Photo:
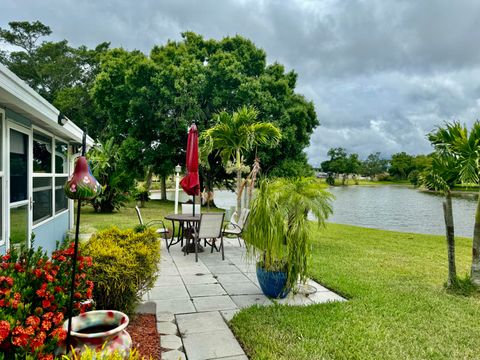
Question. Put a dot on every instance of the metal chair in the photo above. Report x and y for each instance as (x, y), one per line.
(235, 229)
(162, 231)
(209, 229)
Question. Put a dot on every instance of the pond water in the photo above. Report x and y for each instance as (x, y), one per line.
(401, 209)
(386, 207)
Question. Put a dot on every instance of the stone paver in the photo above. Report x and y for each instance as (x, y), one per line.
(209, 303)
(241, 288)
(168, 292)
(166, 328)
(243, 301)
(176, 306)
(205, 290)
(176, 355)
(200, 322)
(200, 297)
(216, 344)
(172, 342)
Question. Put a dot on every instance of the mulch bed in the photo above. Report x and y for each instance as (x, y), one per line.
(145, 338)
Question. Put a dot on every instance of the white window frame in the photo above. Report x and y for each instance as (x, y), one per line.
(3, 157)
(53, 175)
(11, 125)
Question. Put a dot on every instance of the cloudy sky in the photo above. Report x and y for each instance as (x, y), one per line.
(381, 73)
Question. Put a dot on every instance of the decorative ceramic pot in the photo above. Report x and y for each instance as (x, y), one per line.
(102, 331)
(272, 283)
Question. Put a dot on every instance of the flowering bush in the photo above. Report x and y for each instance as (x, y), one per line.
(34, 294)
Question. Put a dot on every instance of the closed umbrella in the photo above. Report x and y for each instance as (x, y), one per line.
(191, 182)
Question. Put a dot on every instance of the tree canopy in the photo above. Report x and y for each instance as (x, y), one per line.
(154, 98)
(62, 74)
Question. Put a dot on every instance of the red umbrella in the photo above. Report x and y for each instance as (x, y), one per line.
(191, 182)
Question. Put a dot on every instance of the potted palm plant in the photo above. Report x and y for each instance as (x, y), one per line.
(278, 233)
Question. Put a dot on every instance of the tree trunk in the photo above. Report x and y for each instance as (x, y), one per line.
(148, 179)
(163, 188)
(450, 236)
(475, 272)
(239, 182)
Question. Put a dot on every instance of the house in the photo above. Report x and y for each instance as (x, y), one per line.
(37, 154)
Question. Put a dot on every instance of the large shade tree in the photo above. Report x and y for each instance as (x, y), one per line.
(456, 141)
(193, 79)
(235, 135)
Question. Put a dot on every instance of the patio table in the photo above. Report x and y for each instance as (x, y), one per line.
(186, 223)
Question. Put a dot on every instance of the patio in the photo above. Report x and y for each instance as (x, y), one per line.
(195, 300)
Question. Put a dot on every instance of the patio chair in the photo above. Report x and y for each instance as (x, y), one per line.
(162, 231)
(210, 230)
(235, 228)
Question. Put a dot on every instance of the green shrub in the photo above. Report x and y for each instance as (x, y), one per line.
(125, 264)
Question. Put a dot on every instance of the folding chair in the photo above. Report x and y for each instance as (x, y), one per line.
(209, 229)
(162, 231)
(235, 229)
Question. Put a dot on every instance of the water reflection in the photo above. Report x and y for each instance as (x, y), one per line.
(400, 208)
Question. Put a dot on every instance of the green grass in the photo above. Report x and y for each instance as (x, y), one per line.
(397, 308)
(126, 217)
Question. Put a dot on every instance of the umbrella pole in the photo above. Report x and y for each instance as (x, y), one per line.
(193, 205)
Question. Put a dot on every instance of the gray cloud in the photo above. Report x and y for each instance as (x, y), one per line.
(381, 73)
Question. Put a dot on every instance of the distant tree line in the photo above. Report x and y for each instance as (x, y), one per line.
(401, 166)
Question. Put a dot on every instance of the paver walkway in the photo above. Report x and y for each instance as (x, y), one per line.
(202, 296)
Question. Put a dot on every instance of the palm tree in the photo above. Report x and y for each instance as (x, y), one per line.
(235, 134)
(442, 177)
(454, 140)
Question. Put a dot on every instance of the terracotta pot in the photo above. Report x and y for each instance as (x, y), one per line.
(102, 331)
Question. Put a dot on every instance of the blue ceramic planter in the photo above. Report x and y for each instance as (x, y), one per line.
(272, 283)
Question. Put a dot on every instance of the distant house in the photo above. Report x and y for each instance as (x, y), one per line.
(36, 157)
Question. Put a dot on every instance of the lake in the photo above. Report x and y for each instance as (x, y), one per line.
(388, 207)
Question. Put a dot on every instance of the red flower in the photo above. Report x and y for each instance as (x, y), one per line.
(6, 257)
(38, 340)
(46, 357)
(4, 329)
(46, 325)
(33, 320)
(49, 277)
(17, 296)
(4, 265)
(19, 337)
(60, 333)
(57, 319)
(48, 316)
(77, 295)
(9, 280)
(46, 304)
(42, 291)
(37, 273)
(18, 267)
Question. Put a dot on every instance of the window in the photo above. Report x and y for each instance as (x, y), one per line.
(61, 201)
(42, 154)
(18, 166)
(42, 178)
(61, 157)
(50, 173)
(42, 199)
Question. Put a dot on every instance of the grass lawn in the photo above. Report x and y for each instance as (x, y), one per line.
(126, 217)
(397, 308)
